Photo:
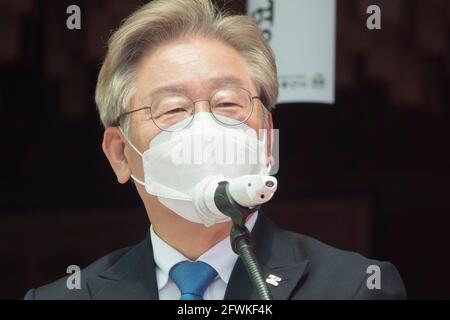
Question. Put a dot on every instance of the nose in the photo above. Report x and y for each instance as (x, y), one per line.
(202, 106)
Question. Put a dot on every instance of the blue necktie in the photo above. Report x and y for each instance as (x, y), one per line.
(192, 278)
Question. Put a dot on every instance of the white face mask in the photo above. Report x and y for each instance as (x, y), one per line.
(176, 162)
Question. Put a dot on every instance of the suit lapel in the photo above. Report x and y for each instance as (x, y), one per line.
(278, 256)
(132, 277)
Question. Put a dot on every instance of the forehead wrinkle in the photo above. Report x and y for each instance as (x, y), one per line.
(182, 88)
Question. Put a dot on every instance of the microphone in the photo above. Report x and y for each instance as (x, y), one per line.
(215, 197)
(246, 192)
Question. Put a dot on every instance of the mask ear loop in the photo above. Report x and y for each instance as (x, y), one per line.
(267, 162)
(265, 138)
(137, 151)
(271, 159)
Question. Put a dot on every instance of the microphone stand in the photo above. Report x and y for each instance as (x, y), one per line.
(241, 239)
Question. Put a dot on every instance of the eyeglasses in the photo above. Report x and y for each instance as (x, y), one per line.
(229, 106)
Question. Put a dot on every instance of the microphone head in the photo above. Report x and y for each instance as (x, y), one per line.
(248, 191)
(252, 190)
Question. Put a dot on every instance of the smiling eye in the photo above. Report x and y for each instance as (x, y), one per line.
(228, 105)
(171, 112)
(171, 105)
(174, 111)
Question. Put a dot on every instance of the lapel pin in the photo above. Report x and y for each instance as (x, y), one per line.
(273, 280)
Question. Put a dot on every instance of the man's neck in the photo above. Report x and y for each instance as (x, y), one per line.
(192, 239)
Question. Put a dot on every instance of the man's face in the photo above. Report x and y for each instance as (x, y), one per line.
(196, 67)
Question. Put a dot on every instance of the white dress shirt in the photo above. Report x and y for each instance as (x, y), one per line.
(221, 257)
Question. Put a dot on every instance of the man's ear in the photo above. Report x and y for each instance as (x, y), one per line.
(114, 148)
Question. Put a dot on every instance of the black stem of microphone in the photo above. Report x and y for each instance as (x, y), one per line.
(242, 243)
(241, 239)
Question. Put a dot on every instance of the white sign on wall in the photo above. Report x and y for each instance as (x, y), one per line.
(302, 35)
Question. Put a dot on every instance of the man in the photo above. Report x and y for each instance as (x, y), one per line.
(177, 70)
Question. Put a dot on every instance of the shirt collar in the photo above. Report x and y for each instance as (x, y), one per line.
(221, 256)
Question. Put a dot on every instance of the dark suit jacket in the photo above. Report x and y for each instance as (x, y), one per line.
(309, 270)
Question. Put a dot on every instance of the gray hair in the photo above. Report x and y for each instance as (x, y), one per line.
(163, 20)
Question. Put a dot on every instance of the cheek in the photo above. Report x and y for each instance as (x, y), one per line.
(144, 137)
(256, 119)
(134, 160)
(141, 133)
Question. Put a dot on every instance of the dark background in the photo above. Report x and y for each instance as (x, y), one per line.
(369, 173)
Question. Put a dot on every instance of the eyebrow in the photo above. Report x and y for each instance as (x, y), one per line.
(214, 83)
